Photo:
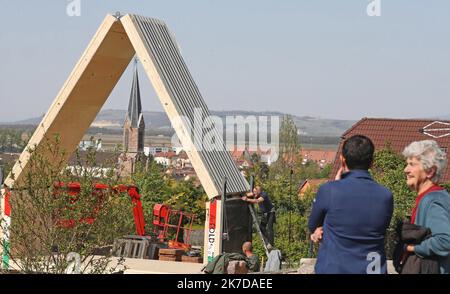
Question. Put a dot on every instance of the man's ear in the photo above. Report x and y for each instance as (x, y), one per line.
(344, 164)
(342, 160)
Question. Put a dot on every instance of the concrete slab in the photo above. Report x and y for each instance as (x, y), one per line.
(148, 266)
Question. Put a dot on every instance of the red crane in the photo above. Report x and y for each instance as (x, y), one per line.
(168, 225)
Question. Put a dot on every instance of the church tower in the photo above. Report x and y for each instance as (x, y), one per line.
(134, 126)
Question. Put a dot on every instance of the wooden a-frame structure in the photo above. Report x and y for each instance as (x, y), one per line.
(114, 45)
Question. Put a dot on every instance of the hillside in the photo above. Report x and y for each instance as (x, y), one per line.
(158, 121)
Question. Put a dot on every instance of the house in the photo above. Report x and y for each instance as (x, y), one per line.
(265, 156)
(152, 150)
(104, 162)
(184, 174)
(165, 158)
(321, 157)
(182, 160)
(244, 163)
(397, 134)
(8, 158)
(89, 144)
(237, 154)
(310, 185)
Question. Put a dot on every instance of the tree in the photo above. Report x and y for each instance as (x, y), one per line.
(158, 187)
(259, 170)
(52, 224)
(153, 185)
(297, 228)
(325, 172)
(186, 196)
(285, 174)
(388, 171)
(289, 140)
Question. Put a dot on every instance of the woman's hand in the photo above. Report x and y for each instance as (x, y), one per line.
(410, 248)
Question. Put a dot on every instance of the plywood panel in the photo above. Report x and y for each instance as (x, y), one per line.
(181, 97)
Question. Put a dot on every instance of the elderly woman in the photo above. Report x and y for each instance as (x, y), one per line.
(425, 165)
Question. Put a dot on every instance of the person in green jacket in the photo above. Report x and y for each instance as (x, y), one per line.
(425, 164)
(252, 259)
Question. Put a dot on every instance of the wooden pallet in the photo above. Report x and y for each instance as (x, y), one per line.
(192, 259)
(168, 258)
(171, 254)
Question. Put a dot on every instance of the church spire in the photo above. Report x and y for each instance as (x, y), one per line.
(134, 105)
(134, 126)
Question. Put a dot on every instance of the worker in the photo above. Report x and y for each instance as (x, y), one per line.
(267, 209)
(251, 258)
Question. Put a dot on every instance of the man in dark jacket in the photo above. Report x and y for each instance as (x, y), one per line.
(267, 209)
(352, 215)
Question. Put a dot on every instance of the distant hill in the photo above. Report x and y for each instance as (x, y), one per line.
(29, 121)
(445, 117)
(157, 120)
(112, 119)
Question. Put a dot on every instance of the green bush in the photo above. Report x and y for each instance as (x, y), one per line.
(157, 187)
(49, 223)
(388, 171)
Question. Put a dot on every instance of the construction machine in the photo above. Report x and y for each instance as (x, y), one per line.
(169, 226)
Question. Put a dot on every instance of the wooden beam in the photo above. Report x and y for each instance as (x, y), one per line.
(83, 94)
(181, 129)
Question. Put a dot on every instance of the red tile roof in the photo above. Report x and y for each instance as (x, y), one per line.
(183, 155)
(398, 133)
(313, 183)
(318, 155)
(169, 154)
(237, 153)
(101, 158)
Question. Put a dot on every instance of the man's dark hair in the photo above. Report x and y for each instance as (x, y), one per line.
(358, 152)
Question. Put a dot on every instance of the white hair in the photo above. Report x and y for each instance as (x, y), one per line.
(429, 154)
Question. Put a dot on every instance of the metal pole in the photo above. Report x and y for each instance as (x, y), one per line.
(225, 235)
(311, 248)
(290, 204)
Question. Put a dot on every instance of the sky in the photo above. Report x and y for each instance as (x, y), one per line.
(318, 58)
